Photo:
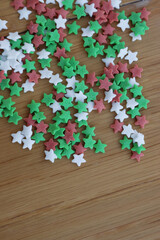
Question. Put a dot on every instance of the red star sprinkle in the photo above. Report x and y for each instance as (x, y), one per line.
(108, 30)
(37, 40)
(40, 8)
(58, 95)
(98, 105)
(117, 97)
(105, 84)
(108, 72)
(60, 53)
(141, 121)
(2, 76)
(91, 78)
(29, 120)
(41, 127)
(17, 4)
(28, 57)
(96, 3)
(79, 148)
(71, 127)
(113, 17)
(144, 14)
(50, 145)
(62, 34)
(107, 6)
(50, 12)
(103, 19)
(15, 77)
(137, 156)
(114, 68)
(68, 136)
(100, 14)
(101, 38)
(136, 71)
(122, 67)
(32, 27)
(62, 12)
(117, 126)
(33, 76)
(32, 3)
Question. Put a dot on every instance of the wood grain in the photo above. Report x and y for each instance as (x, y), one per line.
(111, 197)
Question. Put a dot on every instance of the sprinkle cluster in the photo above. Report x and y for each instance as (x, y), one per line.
(73, 96)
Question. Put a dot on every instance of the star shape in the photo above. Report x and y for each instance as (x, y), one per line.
(107, 61)
(123, 24)
(27, 131)
(50, 155)
(17, 137)
(131, 57)
(116, 107)
(28, 47)
(136, 71)
(28, 86)
(45, 73)
(43, 54)
(91, 78)
(70, 94)
(134, 38)
(141, 121)
(81, 2)
(71, 82)
(3, 24)
(50, 1)
(79, 148)
(131, 103)
(116, 3)
(90, 9)
(105, 84)
(33, 76)
(87, 32)
(14, 36)
(80, 96)
(55, 79)
(137, 156)
(60, 2)
(123, 52)
(55, 106)
(78, 159)
(138, 138)
(144, 14)
(121, 115)
(41, 127)
(109, 95)
(99, 105)
(127, 130)
(60, 22)
(24, 13)
(117, 126)
(133, 82)
(28, 143)
(81, 116)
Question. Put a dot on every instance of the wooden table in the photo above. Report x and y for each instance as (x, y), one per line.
(111, 197)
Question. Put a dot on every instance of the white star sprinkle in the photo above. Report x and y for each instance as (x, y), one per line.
(81, 2)
(123, 52)
(123, 24)
(133, 82)
(45, 73)
(17, 137)
(107, 61)
(109, 95)
(116, 3)
(134, 38)
(27, 131)
(24, 13)
(121, 115)
(55, 106)
(3, 24)
(87, 32)
(116, 107)
(138, 138)
(80, 96)
(131, 57)
(127, 130)
(14, 36)
(81, 116)
(28, 143)
(131, 103)
(90, 9)
(60, 22)
(43, 54)
(50, 155)
(28, 86)
(55, 79)
(71, 82)
(78, 159)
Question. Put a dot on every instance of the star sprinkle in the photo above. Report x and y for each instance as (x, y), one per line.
(78, 159)
(24, 13)
(123, 24)
(27, 131)
(141, 121)
(134, 38)
(121, 115)
(17, 137)
(90, 9)
(3, 24)
(127, 130)
(28, 86)
(60, 22)
(116, 3)
(131, 57)
(117, 126)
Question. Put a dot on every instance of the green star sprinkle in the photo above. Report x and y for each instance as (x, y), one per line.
(91, 95)
(89, 131)
(92, 51)
(7, 103)
(39, 116)
(54, 36)
(65, 115)
(16, 44)
(68, 152)
(73, 28)
(110, 52)
(80, 86)
(125, 142)
(41, 20)
(65, 44)
(135, 17)
(53, 128)
(61, 88)
(136, 91)
(122, 15)
(142, 102)
(114, 39)
(5, 84)
(15, 90)
(81, 106)
(79, 12)
(48, 99)
(45, 62)
(134, 112)
(68, 4)
(88, 41)
(82, 71)
(33, 106)
(74, 63)
(10, 112)
(38, 137)
(68, 72)
(66, 103)
(89, 142)
(29, 65)
(27, 37)
(15, 118)
(95, 26)
(100, 147)
(138, 149)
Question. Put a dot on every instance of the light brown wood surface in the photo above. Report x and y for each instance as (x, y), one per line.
(111, 197)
